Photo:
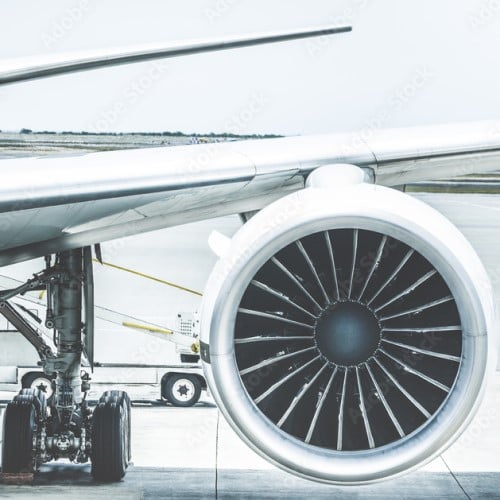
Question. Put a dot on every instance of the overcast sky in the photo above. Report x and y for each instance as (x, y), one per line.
(405, 63)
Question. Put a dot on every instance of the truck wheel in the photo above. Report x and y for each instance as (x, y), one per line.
(182, 390)
(40, 381)
(18, 431)
(109, 440)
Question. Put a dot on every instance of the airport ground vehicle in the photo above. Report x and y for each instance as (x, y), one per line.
(179, 381)
(179, 385)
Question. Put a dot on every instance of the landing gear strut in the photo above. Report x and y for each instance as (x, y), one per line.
(37, 430)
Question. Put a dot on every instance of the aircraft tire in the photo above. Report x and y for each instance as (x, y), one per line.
(123, 398)
(18, 431)
(109, 440)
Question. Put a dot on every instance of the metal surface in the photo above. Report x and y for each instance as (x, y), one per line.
(92, 201)
(33, 336)
(88, 300)
(343, 453)
(67, 299)
(57, 64)
(183, 389)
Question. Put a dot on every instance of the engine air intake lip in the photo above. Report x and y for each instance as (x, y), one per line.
(383, 250)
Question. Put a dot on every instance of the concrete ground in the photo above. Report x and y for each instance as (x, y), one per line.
(192, 453)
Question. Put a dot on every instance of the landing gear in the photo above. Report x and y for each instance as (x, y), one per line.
(111, 436)
(49, 419)
(182, 390)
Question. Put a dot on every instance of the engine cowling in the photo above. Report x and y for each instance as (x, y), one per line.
(347, 333)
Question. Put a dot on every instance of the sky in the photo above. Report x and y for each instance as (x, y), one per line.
(404, 64)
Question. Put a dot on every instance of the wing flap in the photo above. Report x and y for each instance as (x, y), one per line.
(416, 154)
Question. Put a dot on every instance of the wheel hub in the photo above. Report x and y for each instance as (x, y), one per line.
(347, 333)
(183, 389)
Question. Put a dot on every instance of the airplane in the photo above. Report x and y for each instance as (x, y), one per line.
(347, 330)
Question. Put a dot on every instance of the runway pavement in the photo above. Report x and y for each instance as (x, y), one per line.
(192, 453)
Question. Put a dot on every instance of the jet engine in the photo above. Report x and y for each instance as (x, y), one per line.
(347, 332)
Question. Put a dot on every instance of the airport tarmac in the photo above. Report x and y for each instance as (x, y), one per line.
(193, 453)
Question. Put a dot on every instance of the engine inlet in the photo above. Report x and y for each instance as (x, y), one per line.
(348, 339)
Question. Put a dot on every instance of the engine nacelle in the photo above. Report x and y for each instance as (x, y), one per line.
(347, 333)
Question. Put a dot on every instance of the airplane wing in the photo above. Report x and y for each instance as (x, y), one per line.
(18, 70)
(52, 204)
